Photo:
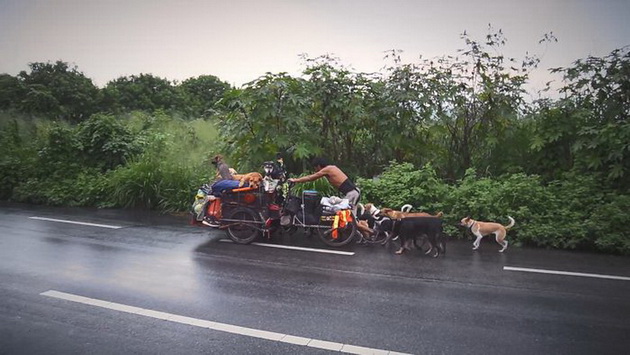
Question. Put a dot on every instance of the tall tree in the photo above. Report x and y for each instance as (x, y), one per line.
(405, 116)
(143, 92)
(201, 94)
(337, 108)
(58, 90)
(475, 99)
(265, 117)
(11, 92)
(598, 93)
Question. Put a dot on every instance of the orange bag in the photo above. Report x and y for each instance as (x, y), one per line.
(341, 219)
(214, 209)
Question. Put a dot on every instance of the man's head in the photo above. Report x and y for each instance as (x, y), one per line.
(319, 163)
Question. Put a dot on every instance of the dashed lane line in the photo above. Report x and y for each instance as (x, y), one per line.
(76, 222)
(222, 327)
(290, 247)
(566, 273)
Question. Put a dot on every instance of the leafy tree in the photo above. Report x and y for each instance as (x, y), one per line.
(200, 95)
(598, 92)
(554, 128)
(406, 113)
(475, 99)
(57, 91)
(11, 91)
(323, 114)
(143, 92)
(337, 109)
(265, 117)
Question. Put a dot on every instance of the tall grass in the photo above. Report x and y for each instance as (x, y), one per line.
(40, 163)
(154, 184)
(172, 165)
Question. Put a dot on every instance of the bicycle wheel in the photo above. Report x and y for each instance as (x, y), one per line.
(343, 237)
(243, 225)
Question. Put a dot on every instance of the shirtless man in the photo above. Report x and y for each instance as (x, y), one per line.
(336, 178)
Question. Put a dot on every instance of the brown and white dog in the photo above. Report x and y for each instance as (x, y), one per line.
(253, 179)
(481, 229)
(371, 209)
(393, 214)
(364, 213)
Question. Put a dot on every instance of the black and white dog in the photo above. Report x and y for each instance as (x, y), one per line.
(411, 228)
(275, 170)
(275, 176)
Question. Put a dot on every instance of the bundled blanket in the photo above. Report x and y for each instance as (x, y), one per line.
(335, 203)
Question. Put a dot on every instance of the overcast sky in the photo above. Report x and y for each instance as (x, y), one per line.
(240, 40)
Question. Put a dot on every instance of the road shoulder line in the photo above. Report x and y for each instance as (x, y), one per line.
(223, 327)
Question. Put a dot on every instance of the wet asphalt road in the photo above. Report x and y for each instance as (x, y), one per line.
(463, 303)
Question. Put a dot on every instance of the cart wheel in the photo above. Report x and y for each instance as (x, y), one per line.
(379, 237)
(344, 235)
(247, 231)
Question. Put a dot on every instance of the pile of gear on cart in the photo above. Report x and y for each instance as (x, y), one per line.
(267, 208)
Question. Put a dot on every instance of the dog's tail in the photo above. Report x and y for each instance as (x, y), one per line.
(406, 208)
(511, 223)
(439, 214)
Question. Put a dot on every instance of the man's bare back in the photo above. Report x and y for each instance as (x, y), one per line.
(333, 174)
(336, 178)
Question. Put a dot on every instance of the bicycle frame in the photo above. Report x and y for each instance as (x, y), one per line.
(324, 225)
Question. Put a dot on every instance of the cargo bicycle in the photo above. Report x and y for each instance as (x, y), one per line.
(249, 213)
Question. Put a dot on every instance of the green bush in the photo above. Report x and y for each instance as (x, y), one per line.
(59, 155)
(17, 157)
(608, 225)
(88, 188)
(402, 184)
(571, 213)
(561, 221)
(106, 142)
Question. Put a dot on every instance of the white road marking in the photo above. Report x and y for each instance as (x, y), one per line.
(223, 327)
(290, 247)
(567, 273)
(75, 222)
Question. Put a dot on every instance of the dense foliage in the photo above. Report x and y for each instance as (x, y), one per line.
(453, 134)
(139, 160)
(574, 212)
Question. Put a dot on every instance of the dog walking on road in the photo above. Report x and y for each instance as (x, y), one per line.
(481, 229)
